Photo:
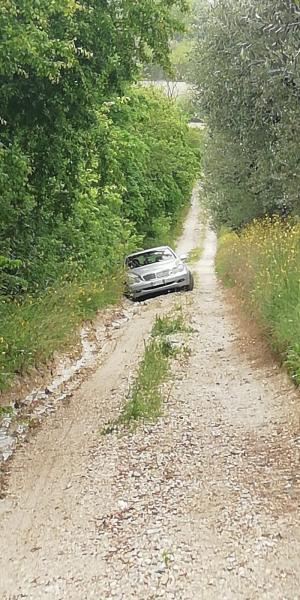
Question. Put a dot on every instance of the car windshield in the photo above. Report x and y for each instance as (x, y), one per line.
(149, 258)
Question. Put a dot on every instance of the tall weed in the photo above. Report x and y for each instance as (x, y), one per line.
(264, 263)
(32, 330)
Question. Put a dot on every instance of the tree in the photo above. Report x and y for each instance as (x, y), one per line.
(246, 67)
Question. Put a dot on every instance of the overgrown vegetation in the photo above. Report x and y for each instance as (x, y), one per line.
(31, 330)
(146, 396)
(264, 263)
(247, 70)
(90, 165)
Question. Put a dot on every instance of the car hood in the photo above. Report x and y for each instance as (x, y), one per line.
(156, 268)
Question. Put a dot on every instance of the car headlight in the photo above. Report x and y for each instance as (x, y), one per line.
(131, 278)
(178, 269)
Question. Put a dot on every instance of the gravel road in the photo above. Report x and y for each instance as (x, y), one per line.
(202, 504)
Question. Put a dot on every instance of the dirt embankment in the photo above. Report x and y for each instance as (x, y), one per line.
(204, 503)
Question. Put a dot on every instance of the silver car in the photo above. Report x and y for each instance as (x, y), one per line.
(156, 270)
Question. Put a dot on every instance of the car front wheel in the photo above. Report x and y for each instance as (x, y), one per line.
(190, 286)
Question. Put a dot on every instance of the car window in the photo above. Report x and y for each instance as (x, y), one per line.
(149, 258)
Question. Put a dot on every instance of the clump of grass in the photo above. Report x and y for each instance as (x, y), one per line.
(6, 410)
(169, 324)
(263, 262)
(194, 255)
(167, 558)
(146, 397)
(32, 330)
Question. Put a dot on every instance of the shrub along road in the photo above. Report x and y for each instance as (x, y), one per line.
(203, 503)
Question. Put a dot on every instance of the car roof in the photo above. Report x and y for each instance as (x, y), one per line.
(149, 250)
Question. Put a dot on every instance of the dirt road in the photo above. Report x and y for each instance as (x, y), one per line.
(203, 504)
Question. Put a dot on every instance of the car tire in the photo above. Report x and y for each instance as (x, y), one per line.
(190, 286)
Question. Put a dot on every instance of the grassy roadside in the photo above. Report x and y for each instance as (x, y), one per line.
(263, 263)
(33, 330)
(146, 395)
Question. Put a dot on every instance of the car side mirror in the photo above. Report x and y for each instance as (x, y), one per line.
(183, 257)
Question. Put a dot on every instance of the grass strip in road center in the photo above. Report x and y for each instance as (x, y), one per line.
(173, 323)
(194, 255)
(146, 395)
